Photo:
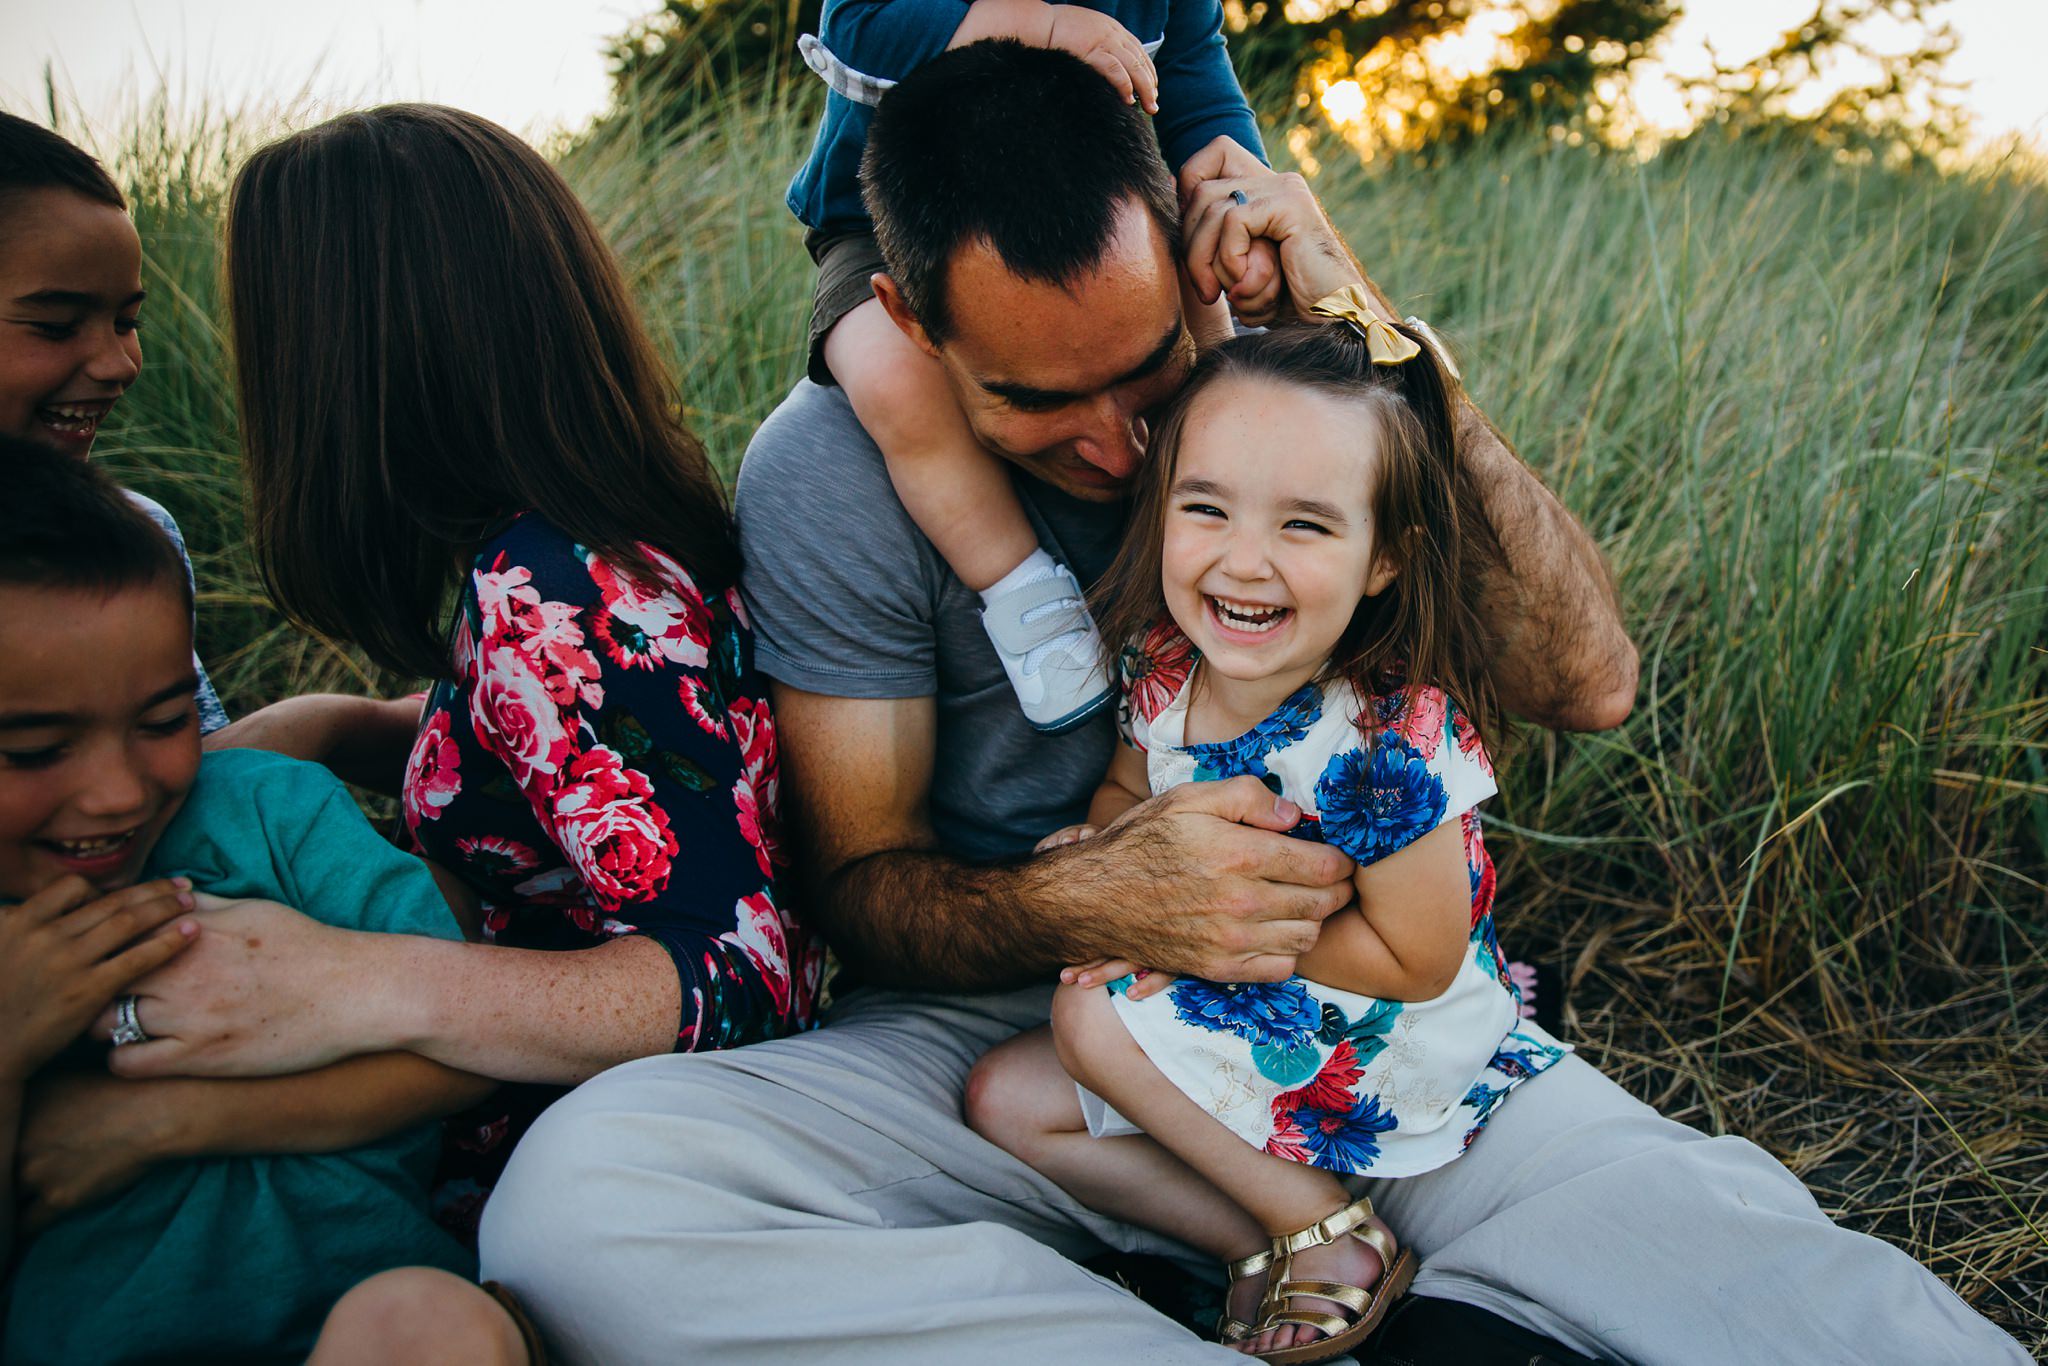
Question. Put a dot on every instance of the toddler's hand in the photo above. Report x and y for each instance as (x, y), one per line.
(1110, 48)
(1072, 834)
(67, 951)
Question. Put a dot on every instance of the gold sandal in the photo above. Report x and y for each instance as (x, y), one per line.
(1368, 1307)
(1228, 1329)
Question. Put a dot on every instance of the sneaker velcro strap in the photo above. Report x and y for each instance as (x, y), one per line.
(1004, 618)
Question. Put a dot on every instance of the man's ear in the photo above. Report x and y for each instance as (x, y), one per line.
(898, 309)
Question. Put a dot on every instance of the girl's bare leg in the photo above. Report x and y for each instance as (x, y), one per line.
(420, 1315)
(1023, 1101)
(1283, 1196)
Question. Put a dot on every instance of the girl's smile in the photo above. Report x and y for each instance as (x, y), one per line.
(1267, 547)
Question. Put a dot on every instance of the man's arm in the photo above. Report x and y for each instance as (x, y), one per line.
(1562, 658)
(1186, 881)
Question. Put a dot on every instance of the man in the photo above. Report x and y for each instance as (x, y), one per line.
(818, 1198)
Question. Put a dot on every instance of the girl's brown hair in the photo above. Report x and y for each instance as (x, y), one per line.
(1427, 517)
(432, 337)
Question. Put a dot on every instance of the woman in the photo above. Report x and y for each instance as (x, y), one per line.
(448, 400)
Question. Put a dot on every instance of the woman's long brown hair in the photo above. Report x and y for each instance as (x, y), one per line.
(1427, 516)
(431, 337)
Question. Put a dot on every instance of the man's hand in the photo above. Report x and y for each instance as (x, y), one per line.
(1225, 244)
(1199, 881)
(1091, 35)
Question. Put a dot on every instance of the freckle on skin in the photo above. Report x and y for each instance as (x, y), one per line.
(254, 942)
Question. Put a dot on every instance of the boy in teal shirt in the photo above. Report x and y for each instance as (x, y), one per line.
(103, 794)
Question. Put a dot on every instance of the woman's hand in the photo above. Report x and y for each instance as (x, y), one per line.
(67, 952)
(265, 991)
(85, 1139)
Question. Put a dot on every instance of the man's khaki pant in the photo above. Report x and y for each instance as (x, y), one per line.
(818, 1199)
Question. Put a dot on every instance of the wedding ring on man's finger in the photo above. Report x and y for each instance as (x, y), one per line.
(1237, 198)
(127, 1029)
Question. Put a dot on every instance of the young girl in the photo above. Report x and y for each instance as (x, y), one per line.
(1167, 56)
(1298, 590)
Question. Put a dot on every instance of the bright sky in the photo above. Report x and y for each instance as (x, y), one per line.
(536, 65)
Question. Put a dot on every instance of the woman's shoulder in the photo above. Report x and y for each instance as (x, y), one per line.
(532, 550)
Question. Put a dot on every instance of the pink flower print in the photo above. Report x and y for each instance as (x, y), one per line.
(1333, 1087)
(612, 831)
(760, 935)
(516, 719)
(433, 773)
(555, 643)
(496, 918)
(1287, 1139)
(757, 793)
(1468, 740)
(696, 697)
(1478, 867)
(1155, 669)
(463, 647)
(504, 597)
(1422, 721)
(646, 625)
(554, 887)
(739, 609)
(494, 857)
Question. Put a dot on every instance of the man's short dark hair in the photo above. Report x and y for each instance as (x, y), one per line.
(34, 158)
(1027, 148)
(63, 524)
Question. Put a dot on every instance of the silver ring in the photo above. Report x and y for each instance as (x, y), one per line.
(127, 1029)
(1237, 198)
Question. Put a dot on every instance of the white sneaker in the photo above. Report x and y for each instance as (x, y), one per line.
(1051, 651)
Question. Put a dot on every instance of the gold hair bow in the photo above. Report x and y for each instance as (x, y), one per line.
(1350, 305)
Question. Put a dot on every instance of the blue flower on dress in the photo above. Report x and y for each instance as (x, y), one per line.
(1247, 753)
(1374, 802)
(1275, 1014)
(1344, 1140)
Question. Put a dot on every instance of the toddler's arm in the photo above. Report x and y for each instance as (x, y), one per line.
(1406, 937)
(958, 493)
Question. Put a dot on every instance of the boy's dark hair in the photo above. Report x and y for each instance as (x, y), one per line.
(34, 158)
(1026, 148)
(64, 524)
(1429, 520)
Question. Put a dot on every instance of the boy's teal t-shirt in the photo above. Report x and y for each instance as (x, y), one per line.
(241, 1258)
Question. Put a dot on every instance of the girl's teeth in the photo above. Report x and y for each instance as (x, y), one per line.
(1248, 617)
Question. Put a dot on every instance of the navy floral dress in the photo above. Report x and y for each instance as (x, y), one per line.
(603, 763)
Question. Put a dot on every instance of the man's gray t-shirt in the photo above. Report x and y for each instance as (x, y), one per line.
(849, 599)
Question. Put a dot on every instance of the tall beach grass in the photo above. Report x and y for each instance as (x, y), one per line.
(1803, 894)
